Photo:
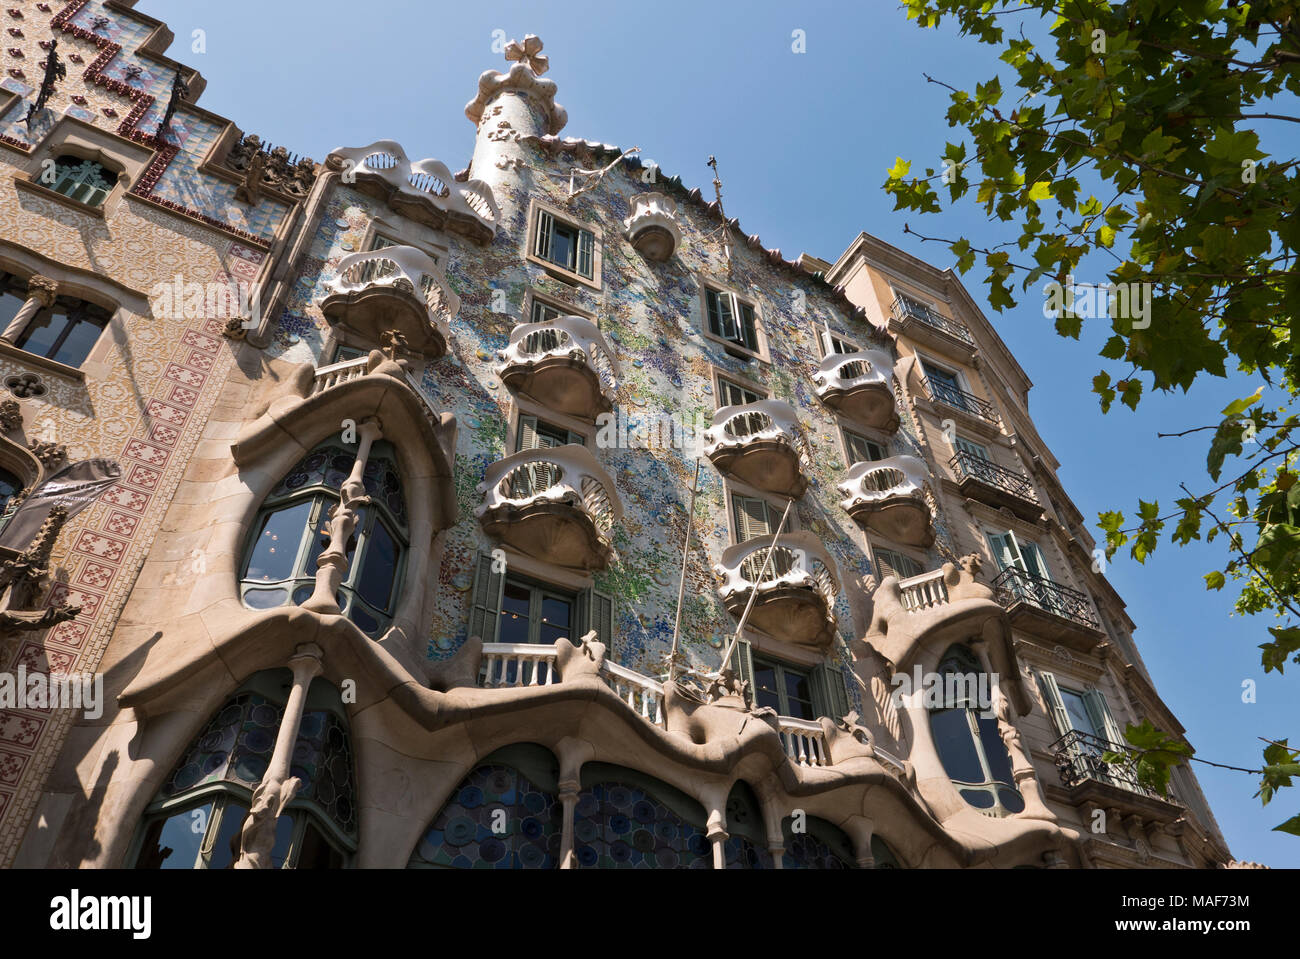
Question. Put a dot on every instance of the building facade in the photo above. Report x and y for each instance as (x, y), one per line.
(526, 516)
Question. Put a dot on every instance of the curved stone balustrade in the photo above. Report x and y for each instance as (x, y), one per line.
(796, 594)
(397, 288)
(423, 190)
(556, 505)
(804, 741)
(564, 364)
(761, 444)
(859, 385)
(652, 226)
(888, 496)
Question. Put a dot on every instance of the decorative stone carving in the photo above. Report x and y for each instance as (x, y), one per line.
(235, 328)
(41, 292)
(584, 659)
(267, 168)
(22, 580)
(529, 53)
(11, 415)
(49, 453)
(461, 670)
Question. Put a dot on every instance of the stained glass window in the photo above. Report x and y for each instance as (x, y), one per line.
(819, 845)
(202, 804)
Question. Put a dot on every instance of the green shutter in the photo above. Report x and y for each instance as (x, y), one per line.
(586, 247)
(748, 329)
(830, 696)
(890, 563)
(485, 604)
(1102, 720)
(742, 663)
(974, 449)
(596, 611)
(1055, 705)
(1033, 560)
(545, 224)
(527, 438)
(752, 517)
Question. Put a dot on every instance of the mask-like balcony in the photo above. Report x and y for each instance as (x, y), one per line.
(1049, 610)
(1089, 779)
(652, 226)
(888, 497)
(986, 481)
(555, 505)
(564, 364)
(760, 444)
(921, 323)
(796, 593)
(860, 386)
(423, 190)
(395, 288)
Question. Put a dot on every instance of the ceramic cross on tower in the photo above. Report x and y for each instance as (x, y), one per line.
(529, 53)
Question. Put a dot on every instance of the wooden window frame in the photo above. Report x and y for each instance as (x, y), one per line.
(535, 210)
(760, 352)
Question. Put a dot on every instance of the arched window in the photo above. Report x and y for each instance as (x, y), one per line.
(292, 531)
(10, 485)
(627, 820)
(195, 820)
(746, 845)
(967, 737)
(820, 845)
(85, 181)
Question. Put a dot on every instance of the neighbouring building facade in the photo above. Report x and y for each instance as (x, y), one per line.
(440, 501)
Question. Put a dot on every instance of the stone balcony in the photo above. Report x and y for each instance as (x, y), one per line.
(983, 480)
(1048, 610)
(794, 592)
(397, 288)
(860, 386)
(888, 497)
(974, 410)
(563, 364)
(652, 227)
(761, 444)
(424, 190)
(555, 505)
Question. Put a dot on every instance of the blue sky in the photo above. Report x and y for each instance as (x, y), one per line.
(803, 143)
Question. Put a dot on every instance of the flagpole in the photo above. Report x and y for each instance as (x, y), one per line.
(681, 585)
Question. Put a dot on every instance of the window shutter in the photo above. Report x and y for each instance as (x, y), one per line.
(527, 438)
(742, 663)
(751, 518)
(889, 563)
(599, 615)
(1005, 551)
(1055, 706)
(1033, 560)
(830, 696)
(726, 317)
(748, 330)
(586, 247)
(545, 224)
(1102, 719)
(974, 449)
(485, 605)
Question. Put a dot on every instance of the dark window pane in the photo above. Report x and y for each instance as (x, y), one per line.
(11, 301)
(283, 833)
(564, 246)
(316, 852)
(995, 750)
(952, 737)
(225, 847)
(514, 613)
(276, 548)
(378, 568)
(557, 616)
(765, 689)
(172, 843)
(43, 332)
(81, 338)
(798, 694)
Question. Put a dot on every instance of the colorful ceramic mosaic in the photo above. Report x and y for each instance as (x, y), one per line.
(624, 827)
(462, 836)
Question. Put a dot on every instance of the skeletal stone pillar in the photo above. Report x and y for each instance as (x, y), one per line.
(569, 802)
(41, 291)
(332, 565)
(717, 834)
(277, 788)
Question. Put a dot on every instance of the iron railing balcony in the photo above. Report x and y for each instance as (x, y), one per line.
(985, 480)
(1019, 591)
(905, 308)
(959, 399)
(1078, 757)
